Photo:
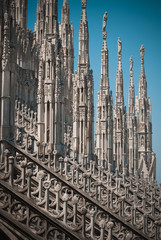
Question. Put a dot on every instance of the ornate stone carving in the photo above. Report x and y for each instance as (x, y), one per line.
(51, 185)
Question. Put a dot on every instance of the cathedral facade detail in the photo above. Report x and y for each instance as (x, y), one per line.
(42, 79)
(58, 178)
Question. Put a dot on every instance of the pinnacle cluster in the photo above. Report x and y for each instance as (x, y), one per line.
(58, 181)
(62, 100)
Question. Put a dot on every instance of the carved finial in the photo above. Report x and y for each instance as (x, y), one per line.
(131, 64)
(119, 47)
(84, 4)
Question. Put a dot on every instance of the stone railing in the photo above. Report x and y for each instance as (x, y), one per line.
(25, 122)
(136, 200)
(106, 199)
(22, 214)
(78, 205)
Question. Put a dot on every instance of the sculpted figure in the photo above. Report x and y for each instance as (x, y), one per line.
(41, 64)
(48, 69)
(72, 28)
(105, 17)
(6, 18)
(84, 3)
(142, 51)
(119, 46)
(131, 63)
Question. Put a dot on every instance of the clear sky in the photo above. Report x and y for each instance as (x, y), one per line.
(136, 22)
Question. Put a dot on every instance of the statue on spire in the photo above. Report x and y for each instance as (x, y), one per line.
(131, 64)
(142, 52)
(6, 19)
(105, 17)
(119, 47)
(131, 70)
(84, 4)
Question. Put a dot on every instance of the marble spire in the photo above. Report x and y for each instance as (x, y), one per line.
(119, 79)
(131, 72)
(66, 12)
(131, 110)
(119, 54)
(142, 79)
(83, 37)
(104, 58)
(142, 53)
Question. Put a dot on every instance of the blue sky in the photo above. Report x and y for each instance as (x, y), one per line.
(136, 22)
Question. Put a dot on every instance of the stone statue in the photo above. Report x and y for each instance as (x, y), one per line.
(131, 63)
(6, 19)
(41, 64)
(119, 46)
(142, 51)
(105, 17)
(84, 4)
(72, 28)
(48, 69)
